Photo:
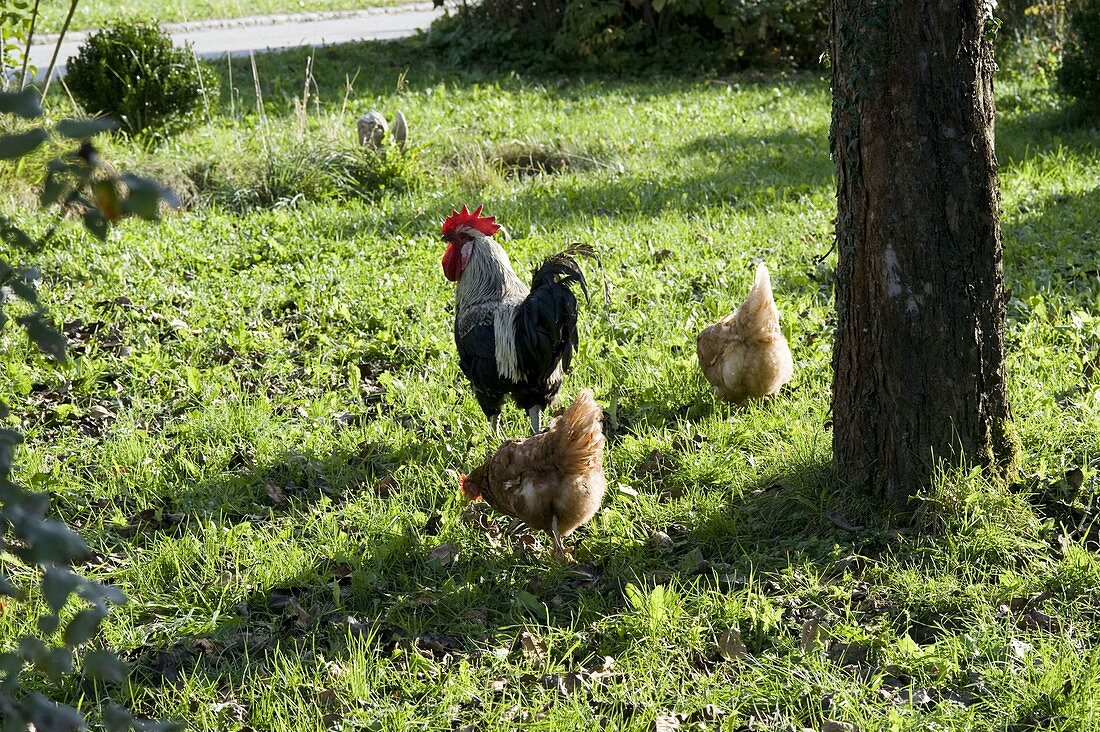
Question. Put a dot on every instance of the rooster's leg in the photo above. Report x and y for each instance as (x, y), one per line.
(495, 422)
(535, 413)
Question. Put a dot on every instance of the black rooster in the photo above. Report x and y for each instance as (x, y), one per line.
(511, 339)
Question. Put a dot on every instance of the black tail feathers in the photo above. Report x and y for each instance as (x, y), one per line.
(561, 269)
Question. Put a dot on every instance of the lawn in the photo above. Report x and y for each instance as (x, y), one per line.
(91, 14)
(263, 421)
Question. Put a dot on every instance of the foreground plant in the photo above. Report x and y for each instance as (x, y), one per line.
(33, 543)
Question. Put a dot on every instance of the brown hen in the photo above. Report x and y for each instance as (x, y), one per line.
(552, 481)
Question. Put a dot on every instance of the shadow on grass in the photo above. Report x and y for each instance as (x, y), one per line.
(415, 592)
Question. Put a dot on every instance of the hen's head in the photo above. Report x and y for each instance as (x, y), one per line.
(470, 485)
(460, 230)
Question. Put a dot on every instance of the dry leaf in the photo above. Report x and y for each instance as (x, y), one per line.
(921, 698)
(385, 487)
(445, 554)
(659, 540)
(100, 414)
(709, 713)
(842, 523)
(605, 669)
(831, 725)
(1075, 478)
(848, 654)
(302, 618)
(1019, 648)
(810, 638)
(667, 722)
(533, 647)
(275, 493)
(731, 646)
(623, 488)
(1038, 620)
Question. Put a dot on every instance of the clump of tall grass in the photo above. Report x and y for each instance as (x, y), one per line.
(321, 170)
(316, 159)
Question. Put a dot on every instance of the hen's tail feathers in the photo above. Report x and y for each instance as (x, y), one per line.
(578, 432)
(759, 307)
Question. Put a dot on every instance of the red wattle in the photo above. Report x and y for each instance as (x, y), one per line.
(452, 263)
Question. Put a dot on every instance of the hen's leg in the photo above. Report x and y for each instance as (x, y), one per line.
(535, 413)
(559, 548)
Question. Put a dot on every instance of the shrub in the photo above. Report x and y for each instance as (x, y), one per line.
(131, 71)
(1079, 76)
(617, 34)
(46, 550)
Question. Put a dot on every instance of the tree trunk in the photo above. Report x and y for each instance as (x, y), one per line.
(919, 374)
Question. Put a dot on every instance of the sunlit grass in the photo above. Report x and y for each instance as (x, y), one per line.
(307, 344)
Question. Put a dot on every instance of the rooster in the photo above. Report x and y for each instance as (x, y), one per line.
(511, 339)
(744, 355)
(553, 481)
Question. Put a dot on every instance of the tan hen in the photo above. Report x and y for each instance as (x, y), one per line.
(744, 355)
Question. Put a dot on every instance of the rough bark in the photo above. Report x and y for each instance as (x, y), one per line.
(919, 374)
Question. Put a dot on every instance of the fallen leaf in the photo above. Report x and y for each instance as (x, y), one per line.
(709, 713)
(842, 523)
(439, 644)
(565, 684)
(100, 414)
(731, 646)
(385, 487)
(848, 654)
(656, 465)
(605, 669)
(533, 647)
(241, 458)
(275, 493)
(921, 698)
(445, 554)
(832, 725)
(301, 617)
(693, 562)
(1075, 478)
(810, 637)
(433, 525)
(623, 488)
(584, 576)
(659, 540)
(1038, 620)
(1020, 649)
(852, 562)
(667, 722)
(529, 601)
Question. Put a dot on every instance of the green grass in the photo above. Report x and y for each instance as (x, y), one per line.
(91, 14)
(306, 344)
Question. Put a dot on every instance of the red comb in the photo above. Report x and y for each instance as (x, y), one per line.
(466, 493)
(485, 224)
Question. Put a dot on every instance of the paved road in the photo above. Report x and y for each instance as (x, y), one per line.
(216, 38)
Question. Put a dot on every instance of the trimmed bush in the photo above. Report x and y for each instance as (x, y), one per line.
(132, 72)
(1079, 76)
